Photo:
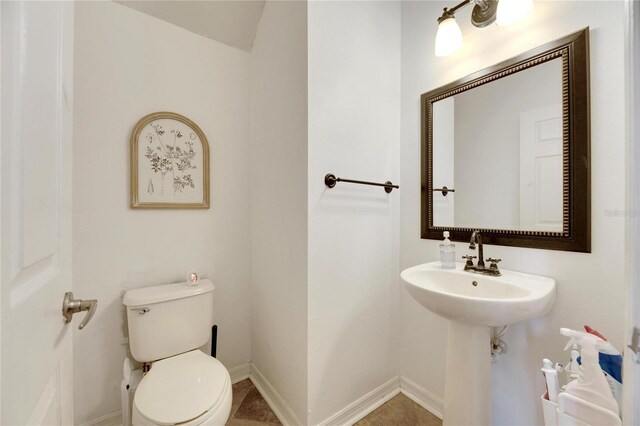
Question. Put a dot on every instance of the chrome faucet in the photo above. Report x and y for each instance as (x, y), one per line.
(480, 268)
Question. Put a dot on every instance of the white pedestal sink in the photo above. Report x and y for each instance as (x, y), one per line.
(473, 303)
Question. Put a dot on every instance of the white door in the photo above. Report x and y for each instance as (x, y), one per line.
(36, 41)
(541, 169)
(631, 373)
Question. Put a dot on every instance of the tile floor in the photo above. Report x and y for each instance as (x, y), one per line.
(250, 409)
(400, 411)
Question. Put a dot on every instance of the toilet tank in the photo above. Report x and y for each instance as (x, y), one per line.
(170, 319)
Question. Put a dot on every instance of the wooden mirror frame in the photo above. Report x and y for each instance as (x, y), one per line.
(576, 232)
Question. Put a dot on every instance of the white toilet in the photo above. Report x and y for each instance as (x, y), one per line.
(167, 325)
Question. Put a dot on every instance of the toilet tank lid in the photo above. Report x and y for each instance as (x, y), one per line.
(162, 293)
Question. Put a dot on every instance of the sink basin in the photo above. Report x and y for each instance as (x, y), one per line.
(473, 303)
(479, 299)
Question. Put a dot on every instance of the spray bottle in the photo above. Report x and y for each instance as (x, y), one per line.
(611, 364)
(590, 392)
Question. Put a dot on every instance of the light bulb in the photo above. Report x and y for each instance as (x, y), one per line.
(510, 11)
(448, 37)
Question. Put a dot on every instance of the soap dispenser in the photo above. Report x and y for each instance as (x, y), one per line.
(447, 253)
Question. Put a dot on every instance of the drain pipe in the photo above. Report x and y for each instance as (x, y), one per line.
(498, 346)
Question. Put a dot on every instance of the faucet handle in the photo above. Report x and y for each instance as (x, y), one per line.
(494, 262)
(469, 259)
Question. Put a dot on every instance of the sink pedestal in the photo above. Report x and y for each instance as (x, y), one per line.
(472, 303)
(467, 394)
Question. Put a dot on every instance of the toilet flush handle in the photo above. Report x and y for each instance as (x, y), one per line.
(72, 306)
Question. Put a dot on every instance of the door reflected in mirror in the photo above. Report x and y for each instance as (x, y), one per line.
(499, 146)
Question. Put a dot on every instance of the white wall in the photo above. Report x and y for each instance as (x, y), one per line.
(590, 286)
(278, 199)
(444, 117)
(128, 65)
(354, 129)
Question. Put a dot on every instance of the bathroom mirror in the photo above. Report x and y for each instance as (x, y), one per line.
(506, 151)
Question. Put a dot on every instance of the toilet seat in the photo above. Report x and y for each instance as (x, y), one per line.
(184, 389)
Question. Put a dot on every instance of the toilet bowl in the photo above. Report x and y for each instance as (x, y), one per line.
(188, 389)
(183, 386)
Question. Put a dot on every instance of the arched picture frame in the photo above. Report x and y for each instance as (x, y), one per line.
(169, 163)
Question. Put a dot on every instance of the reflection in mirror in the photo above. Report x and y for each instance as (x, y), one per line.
(510, 143)
(500, 147)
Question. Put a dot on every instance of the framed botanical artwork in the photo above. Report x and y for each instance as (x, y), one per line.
(169, 163)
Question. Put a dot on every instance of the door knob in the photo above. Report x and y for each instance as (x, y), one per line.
(72, 306)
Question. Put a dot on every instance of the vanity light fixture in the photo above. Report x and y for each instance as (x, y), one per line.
(484, 13)
(449, 36)
(510, 11)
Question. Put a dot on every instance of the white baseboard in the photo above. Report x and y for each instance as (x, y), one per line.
(362, 407)
(240, 372)
(349, 415)
(273, 398)
(422, 397)
(111, 419)
(358, 409)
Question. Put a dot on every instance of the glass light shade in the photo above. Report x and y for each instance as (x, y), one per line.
(448, 37)
(510, 11)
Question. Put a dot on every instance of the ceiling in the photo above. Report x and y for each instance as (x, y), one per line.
(232, 22)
